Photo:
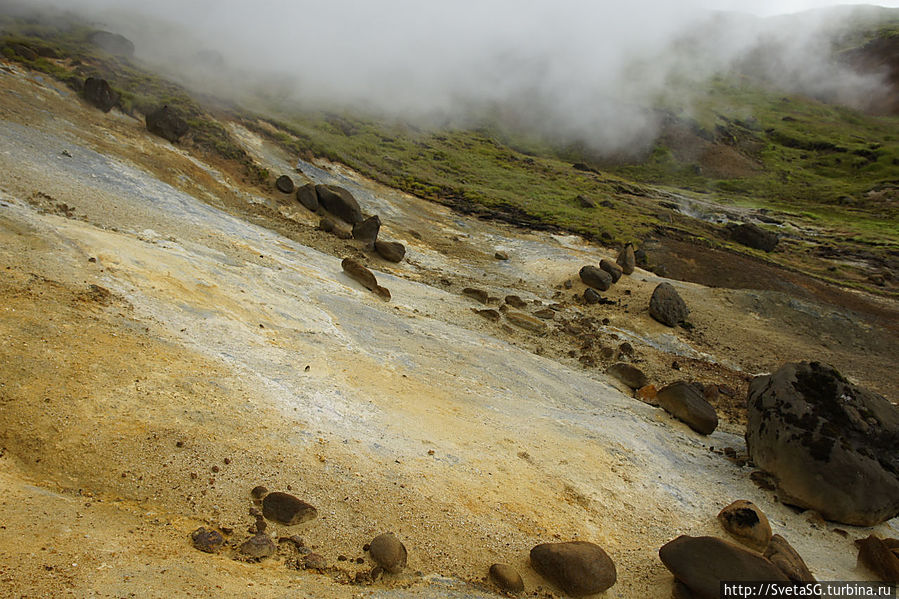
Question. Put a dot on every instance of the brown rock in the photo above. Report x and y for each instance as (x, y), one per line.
(787, 560)
(506, 578)
(307, 196)
(875, 555)
(595, 277)
(631, 376)
(488, 314)
(701, 563)
(577, 567)
(526, 322)
(516, 302)
(286, 509)
(477, 294)
(648, 394)
(388, 552)
(627, 260)
(366, 230)
(747, 523)
(259, 546)
(666, 306)
(315, 561)
(392, 251)
(686, 403)
(339, 202)
(501, 256)
(284, 184)
(209, 541)
(613, 269)
(359, 273)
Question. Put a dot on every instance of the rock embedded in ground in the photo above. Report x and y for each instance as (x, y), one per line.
(685, 402)
(286, 509)
(489, 314)
(781, 554)
(392, 251)
(359, 273)
(591, 296)
(702, 563)
(284, 184)
(388, 552)
(210, 541)
(258, 492)
(595, 277)
(666, 306)
(526, 321)
(832, 446)
(259, 546)
(516, 302)
(875, 554)
(315, 561)
(477, 294)
(308, 197)
(339, 202)
(626, 259)
(506, 578)
(577, 567)
(98, 93)
(753, 236)
(366, 230)
(613, 269)
(501, 255)
(744, 521)
(545, 314)
(630, 375)
(167, 123)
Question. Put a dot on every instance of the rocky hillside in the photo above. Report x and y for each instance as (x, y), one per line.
(247, 353)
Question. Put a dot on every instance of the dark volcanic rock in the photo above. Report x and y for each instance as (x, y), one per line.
(392, 251)
(596, 278)
(499, 255)
(701, 563)
(666, 306)
(577, 567)
(339, 202)
(112, 43)
(23, 51)
(506, 578)
(747, 523)
(308, 197)
(591, 296)
(259, 546)
(329, 225)
(753, 236)
(631, 376)
(613, 269)
(166, 123)
(875, 555)
(209, 541)
(98, 93)
(781, 554)
(287, 509)
(388, 552)
(626, 259)
(366, 230)
(284, 184)
(359, 273)
(685, 402)
(315, 561)
(833, 446)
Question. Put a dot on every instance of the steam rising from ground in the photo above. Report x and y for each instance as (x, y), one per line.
(575, 71)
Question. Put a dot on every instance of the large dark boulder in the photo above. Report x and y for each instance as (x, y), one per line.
(613, 269)
(308, 197)
(339, 202)
(113, 43)
(686, 402)
(284, 184)
(167, 123)
(753, 236)
(366, 230)
(832, 446)
(702, 563)
(666, 305)
(577, 567)
(98, 93)
(596, 278)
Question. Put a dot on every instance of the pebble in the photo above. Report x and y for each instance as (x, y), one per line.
(506, 578)
(209, 541)
(388, 552)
